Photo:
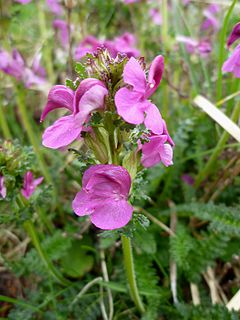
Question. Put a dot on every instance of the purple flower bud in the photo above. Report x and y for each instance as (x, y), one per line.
(234, 35)
(188, 179)
(30, 184)
(104, 196)
(3, 190)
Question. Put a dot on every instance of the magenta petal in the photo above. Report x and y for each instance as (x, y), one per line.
(150, 160)
(232, 63)
(134, 75)
(112, 215)
(58, 97)
(104, 196)
(155, 74)
(128, 106)
(166, 154)
(110, 182)
(153, 120)
(92, 100)
(3, 190)
(37, 181)
(83, 205)
(30, 184)
(63, 132)
(84, 86)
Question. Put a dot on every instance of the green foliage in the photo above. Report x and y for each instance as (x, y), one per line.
(194, 255)
(222, 219)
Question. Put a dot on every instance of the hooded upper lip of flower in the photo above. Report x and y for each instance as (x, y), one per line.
(104, 196)
(132, 104)
(88, 97)
(234, 35)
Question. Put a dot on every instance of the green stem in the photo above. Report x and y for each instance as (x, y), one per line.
(31, 134)
(34, 237)
(22, 303)
(130, 273)
(221, 49)
(164, 10)
(47, 52)
(221, 143)
(4, 125)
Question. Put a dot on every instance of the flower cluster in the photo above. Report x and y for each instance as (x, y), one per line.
(14, 65)
(232, 64)
(107, 105)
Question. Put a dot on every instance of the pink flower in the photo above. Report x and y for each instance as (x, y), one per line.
(61, 25)
(156, 16)
(132, 103)
(88, 45)
(104, 196)
(14, 66)
(234, 35)
(124, 44)
(3, 190)
(55, 7)
(158, 149)
(202, 47)
(232, 64)
(211, 21)
(30, 184)
(88, 97)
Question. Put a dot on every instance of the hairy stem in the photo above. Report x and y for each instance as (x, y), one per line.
(130, 273)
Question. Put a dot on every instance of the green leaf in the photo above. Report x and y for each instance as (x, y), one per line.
(81, 70)
(77, 261)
